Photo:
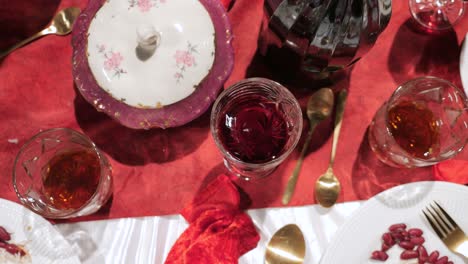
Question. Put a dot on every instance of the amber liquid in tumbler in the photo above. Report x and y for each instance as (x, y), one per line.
(414, 127)
(71, 178)
(254, 131)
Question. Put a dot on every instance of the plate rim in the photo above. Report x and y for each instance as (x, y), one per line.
(173, 115)
(464, 64)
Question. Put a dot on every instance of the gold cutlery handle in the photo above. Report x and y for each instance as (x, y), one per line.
(341, 101)
(291, 185)
(26, 41)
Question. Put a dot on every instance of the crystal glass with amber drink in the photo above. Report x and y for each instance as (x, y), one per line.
(60, 173)
(424, 122)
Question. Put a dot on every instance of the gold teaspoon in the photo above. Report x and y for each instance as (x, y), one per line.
(327, 187)
(287, 246)
(319, 107)
(61, 24)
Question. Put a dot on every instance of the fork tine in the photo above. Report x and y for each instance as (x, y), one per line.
(447, 216)
(434, 226)
(440, 222)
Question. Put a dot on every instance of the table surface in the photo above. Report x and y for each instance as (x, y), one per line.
(146, 240)
(157, 172)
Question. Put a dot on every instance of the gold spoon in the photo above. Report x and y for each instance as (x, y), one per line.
(327, 187)
(287, 246)
(319, 107)
(61, 24)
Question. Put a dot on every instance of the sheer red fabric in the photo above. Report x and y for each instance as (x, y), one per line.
(452, 171)
(219, 232)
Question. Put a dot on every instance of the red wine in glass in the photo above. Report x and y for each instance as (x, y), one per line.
(253, 130)
(256, 123)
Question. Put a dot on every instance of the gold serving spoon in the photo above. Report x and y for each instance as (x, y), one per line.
(61, 24)
(287, 246)
(319, 107)
(327, 187)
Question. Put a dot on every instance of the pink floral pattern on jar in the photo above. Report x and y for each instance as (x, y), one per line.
(112, 61)
(145, 5)
(184, 59)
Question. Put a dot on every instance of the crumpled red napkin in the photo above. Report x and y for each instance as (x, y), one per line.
(452, 171)
(219, 232)
(226, 3)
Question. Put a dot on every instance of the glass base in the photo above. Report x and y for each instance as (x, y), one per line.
(392, 158)
(248, 174)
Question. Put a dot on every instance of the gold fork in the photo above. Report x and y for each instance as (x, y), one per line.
(447, 229)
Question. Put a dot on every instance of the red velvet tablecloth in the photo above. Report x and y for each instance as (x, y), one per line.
(157, 172)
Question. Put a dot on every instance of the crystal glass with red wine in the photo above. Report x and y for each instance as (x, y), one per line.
(256, 123)
(437, 15)
(60, 173)
(424, 122)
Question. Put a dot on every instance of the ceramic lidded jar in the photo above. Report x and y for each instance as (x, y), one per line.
(322, 36)
(152, 63)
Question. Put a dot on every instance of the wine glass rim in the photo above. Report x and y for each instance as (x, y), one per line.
(30, 141)
(459, 17)
(274, 85)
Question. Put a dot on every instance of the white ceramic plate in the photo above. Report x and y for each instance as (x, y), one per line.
(183, 57)
(41, 240)
(361, 234)
(464, 65)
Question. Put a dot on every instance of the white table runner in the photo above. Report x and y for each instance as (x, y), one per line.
(147, 240)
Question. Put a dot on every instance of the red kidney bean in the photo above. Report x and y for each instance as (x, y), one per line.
(395, 227)
(4, 235)
(388, 239)
(442, 260)
(422, 254)
(415, 232)
(408, 240)
(397, 236)
(379, 255)
(398, 230)
(417, 240)
(409, 254)
(406, 245)
(433, 256)
(10, 248)
(405, 235)
(14, 249)
(385, 247)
